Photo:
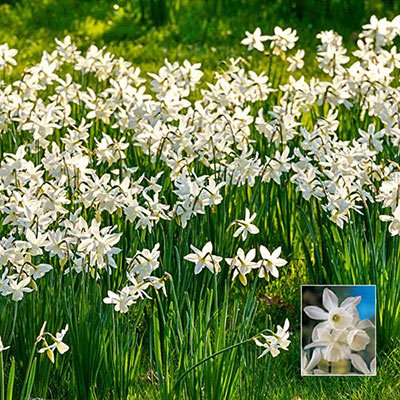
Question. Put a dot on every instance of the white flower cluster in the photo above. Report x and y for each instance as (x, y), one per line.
(73, 125)
(341, 335)
(58, 343)
(343, 174)
(139, 275)
(240, 265)
(275, 342)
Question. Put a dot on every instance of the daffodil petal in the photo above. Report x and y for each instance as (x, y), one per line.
(315, 312)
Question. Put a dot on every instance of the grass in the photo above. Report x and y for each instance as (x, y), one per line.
(193, 343)
(198, 32)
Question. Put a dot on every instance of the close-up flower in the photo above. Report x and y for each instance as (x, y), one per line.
(343, 340)
(337, 317)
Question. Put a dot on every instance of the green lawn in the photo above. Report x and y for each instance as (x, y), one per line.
(151, 351)
(201, 31)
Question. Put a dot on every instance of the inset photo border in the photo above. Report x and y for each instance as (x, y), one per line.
(338, 330)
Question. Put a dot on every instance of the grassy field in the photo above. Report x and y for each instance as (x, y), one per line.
(201, 31)
(108, 182)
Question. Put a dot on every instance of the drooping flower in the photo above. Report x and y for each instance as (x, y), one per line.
(276, 341)
(57, 344)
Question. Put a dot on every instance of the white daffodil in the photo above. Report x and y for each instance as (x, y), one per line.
(98, 244)
(36, 242)
(296, 61)
(121, 301)
(242, 264)
(275, 342)
(283, 40)
(341, 335)
(337, 317)
(2, 347)
(372, 138)
(394, 226)
(7, 57)
(40, 270)
(57, 344)
(144, 262)
(270, 262)
(204, 258)
(254, 40)
(245, 226)
(19, 288)
(333, 343)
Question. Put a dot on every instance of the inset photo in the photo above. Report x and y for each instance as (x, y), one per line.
(338, 330)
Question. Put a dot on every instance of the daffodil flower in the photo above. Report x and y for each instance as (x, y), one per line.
(204, 258)
(245, 226)
(2, 347)
(57, 344)
(336, 316)
(270, 262)
(275, 342)
(242, 264)
(254, 40)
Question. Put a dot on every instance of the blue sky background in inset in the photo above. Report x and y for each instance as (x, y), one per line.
(366, 308)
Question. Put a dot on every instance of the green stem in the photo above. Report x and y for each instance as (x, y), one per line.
(1, 376)
(14, 322)
(27, 375)
(212, 356)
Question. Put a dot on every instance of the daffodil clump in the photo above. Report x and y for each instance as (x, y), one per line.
(100, 164)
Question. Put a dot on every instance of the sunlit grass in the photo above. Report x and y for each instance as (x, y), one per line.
(195, 342)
